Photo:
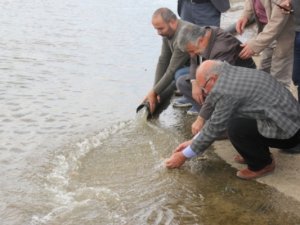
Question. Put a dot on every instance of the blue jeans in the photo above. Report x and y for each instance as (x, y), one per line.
(296, 67)
(181, 72)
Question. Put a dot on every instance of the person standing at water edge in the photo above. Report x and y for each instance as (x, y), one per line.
(275, 29)
(202, 12)
(256, 110)
(171, 57)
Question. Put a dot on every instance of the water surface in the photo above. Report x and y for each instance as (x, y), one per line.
(72, 149)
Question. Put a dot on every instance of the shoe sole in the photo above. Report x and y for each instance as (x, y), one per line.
(182, 105)
(251, 178)
(192, 113)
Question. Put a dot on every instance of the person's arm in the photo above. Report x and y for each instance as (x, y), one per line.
(178, 157)
(286, 7)
(204, 114)
(193, 67)
(197, 125)
(276, 24)
(216, 125)
(178, 59)
(163, 61)
(162, 65)
(152, 98)
(196, 92)
(248, 13)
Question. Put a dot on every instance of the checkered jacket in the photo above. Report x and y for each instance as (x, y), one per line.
(248, 93)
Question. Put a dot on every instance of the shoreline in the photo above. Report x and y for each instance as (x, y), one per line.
(285, 178)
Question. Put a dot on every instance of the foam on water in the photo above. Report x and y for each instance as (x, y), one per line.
(65, 165)
(97, 200)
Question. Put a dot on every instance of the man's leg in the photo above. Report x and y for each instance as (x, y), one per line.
(181, 72)
(296, 67)
(252, 146)
(185, 88)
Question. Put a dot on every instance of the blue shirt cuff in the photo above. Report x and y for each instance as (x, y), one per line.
(188, 152)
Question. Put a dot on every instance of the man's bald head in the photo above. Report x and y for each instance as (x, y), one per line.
(208, 68)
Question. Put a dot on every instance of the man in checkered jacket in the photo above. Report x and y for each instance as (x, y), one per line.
(257, 111)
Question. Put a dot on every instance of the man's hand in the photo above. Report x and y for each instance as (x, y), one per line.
(240, 25)
(196, 92)
(152, 98)
(197, 125)
(182, 146)
(176, 160)
(286, 4)
(246, 52)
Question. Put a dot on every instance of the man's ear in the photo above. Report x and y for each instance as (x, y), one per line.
(215, 77)
(200, 41)
(173, 24)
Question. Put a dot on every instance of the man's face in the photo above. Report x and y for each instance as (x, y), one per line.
(196, 49)
(205, 85)
(192, 49)
(163, 29)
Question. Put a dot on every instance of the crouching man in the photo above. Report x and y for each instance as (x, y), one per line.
(256, 110)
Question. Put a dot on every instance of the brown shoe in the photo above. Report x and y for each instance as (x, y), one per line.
(248, 174)
(239, 159)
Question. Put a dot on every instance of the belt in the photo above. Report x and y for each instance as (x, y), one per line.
(198, 1)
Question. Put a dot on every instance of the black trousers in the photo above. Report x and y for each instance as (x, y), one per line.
(252, 146)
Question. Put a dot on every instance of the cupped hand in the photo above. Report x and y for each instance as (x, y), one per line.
(176, 160)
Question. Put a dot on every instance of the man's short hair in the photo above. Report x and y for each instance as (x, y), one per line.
(166, 14)
(189, 33)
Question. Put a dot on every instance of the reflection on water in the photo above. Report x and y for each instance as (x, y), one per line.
(72, 150)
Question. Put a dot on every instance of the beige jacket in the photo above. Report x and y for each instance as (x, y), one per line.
(279, 26)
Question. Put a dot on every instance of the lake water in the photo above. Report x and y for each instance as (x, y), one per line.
(73, 150)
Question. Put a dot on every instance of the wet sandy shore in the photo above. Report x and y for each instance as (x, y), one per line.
(285, 178)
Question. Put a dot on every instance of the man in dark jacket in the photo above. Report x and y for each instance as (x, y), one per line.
(204, 43)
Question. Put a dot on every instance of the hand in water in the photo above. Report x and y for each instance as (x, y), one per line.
(177, 159)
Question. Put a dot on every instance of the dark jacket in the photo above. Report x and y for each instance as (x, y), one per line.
(222, 46)
(220, 5)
